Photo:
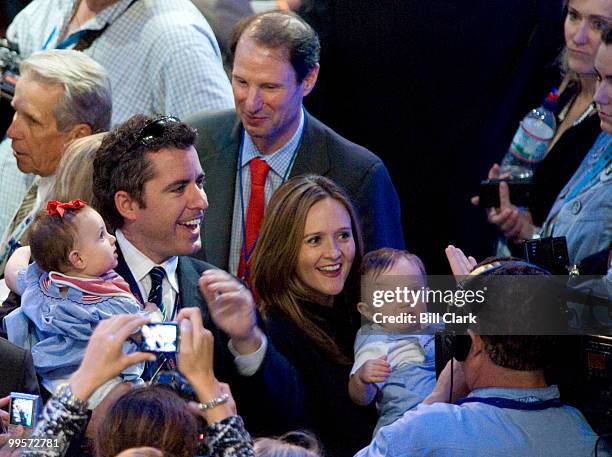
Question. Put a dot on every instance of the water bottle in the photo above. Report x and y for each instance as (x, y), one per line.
(531, 140)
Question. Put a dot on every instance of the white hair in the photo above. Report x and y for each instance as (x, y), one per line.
(87, 93)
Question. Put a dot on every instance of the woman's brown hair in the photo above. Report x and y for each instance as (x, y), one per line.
(274, 267)
(149, 416)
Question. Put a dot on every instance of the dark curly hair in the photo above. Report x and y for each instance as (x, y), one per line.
(121, 162)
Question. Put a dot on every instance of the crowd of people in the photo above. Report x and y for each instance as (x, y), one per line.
(260, 232)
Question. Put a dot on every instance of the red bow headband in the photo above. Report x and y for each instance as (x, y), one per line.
(55, 208)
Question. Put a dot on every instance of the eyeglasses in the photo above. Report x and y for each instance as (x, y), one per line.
(152, 130)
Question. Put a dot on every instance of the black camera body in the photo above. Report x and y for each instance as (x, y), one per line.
(9, 68)
(549, 253)
(520, 189)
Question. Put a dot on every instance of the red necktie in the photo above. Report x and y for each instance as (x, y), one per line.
(255, 211)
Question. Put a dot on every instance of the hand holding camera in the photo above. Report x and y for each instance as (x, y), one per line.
(104, 358)
(160, 337)
(196, 364)
(6, 433)
(197, 344)
(496, 194)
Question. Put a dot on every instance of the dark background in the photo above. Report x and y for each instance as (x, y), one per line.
(436, 89)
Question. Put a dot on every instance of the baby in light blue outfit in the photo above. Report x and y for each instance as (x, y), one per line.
(394, 356)
(69, 288)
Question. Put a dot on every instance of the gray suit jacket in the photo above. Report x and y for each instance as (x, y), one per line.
(322, 151)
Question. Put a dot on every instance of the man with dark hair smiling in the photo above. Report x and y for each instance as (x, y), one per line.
(148, 186)
(248, 153)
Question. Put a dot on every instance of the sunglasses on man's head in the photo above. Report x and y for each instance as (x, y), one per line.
(152, 130)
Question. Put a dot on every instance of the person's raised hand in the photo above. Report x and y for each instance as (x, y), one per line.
(374, 370)
(515, 224)
(460, 264)
(104, 359)
(509, 219)
(195, 359)
(17, 432)
(232, 309)
(196, 364)
(4, 415)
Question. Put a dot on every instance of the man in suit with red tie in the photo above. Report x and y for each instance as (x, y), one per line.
(247, 153)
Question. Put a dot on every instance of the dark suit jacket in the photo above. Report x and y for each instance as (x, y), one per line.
(322, 151)
(342, 426)
(17, 373)
(272, 400)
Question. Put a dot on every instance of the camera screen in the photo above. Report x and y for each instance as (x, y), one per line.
(22, 411)
(162, 337)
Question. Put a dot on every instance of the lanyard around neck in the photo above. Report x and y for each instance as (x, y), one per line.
(602, 162)
(507, 403)
(82, 39)
(248, 252)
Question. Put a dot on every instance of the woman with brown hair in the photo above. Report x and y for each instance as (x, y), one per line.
(305, 270)
(153, 416)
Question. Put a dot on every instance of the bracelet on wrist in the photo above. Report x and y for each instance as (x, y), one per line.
(221, 399)
(67, 398)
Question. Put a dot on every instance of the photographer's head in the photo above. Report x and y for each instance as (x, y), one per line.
(148, 182)
(61, 95)
(524, 307)
(519, 299)
(149, 416)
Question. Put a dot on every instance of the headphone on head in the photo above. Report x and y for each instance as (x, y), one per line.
(457, 343)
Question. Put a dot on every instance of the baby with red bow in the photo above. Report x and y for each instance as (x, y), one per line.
(67, 290)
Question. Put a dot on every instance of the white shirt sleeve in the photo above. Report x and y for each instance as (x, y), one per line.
(248, 364)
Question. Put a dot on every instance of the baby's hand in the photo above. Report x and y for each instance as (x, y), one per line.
(374, 370)
(152, 310)
(151, 307)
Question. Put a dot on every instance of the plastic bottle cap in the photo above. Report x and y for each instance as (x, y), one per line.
(552, 96)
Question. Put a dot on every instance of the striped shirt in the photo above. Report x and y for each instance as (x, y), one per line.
(161, 56)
